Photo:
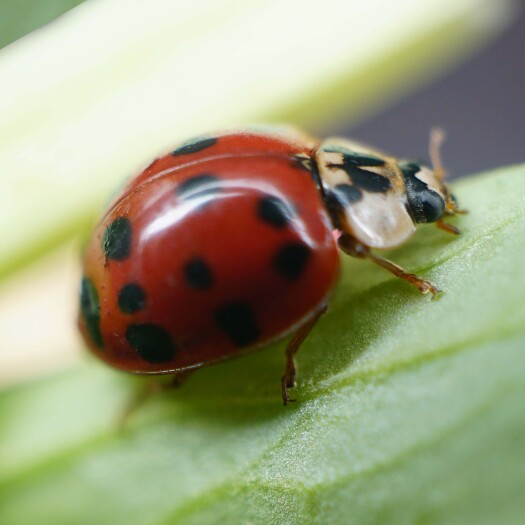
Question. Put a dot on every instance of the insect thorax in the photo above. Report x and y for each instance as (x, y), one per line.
(376, 198)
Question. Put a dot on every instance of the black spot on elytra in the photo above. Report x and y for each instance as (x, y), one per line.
(291, 260)
(274, 211)
(131, 298)
(152, 342)
(198, 186)
(90, 310)
(116, 242)
(237, 321)
(425, 205)
(194, 146)
(198, 274)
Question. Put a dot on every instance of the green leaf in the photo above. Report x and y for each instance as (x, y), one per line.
(408, 411)
(21, 17)
(92, 98)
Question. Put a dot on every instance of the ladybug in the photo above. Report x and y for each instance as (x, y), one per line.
(231, 242)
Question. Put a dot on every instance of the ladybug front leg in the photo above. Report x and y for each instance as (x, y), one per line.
(288, 378)
(445, 226)
(452, 209)
(353, 247)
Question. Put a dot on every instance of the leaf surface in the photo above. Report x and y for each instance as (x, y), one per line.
(408, 411)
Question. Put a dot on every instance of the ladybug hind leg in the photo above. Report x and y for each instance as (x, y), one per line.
(354, 248)
(288, 378)
(148, 389)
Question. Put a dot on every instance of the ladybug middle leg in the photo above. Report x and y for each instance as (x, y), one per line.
(288, 378)
(353, 247)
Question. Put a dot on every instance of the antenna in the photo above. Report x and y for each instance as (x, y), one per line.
(437, 137)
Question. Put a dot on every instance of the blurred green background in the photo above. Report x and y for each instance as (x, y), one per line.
(23, 16)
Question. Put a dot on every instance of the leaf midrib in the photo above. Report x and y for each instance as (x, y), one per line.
(312, 492)
(99, 441)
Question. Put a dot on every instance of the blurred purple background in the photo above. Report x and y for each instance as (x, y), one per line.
(481, 106)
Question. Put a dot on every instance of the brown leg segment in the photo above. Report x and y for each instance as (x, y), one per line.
(445, 226)
(139, 397)
(353, 247)
(179, 378)
(148, 389)
(288, 378)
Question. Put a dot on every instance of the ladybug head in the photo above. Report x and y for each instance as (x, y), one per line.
(427, 196)
(429, 199)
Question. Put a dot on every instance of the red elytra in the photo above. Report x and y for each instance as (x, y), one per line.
(221, 247)
(227, 244)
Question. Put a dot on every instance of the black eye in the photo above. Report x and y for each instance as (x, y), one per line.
(425, 204)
